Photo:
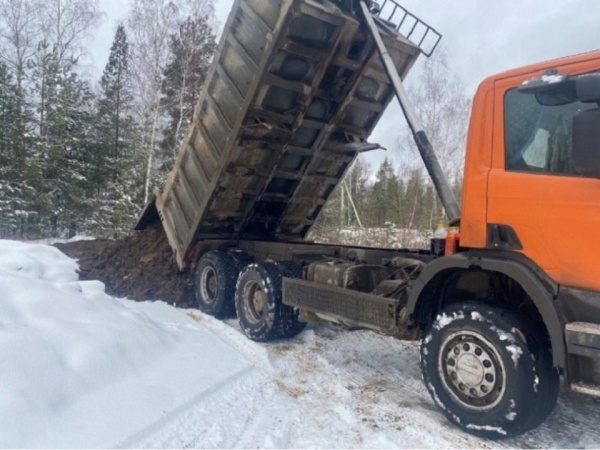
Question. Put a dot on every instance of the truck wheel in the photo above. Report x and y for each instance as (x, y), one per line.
(489, 371)
(262, 315)
(291, 326)
(215, 277)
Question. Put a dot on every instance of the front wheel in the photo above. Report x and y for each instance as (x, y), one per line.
(489, 371)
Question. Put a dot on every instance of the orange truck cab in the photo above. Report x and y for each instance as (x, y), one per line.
(527, 259)
(523, 191)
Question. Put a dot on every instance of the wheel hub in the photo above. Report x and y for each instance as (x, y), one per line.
(258, 302)
(209, 284)
(254, 302)
(472, 370)
(469, 369)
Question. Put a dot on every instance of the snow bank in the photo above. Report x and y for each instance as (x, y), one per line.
(80, 369)
(63, 341)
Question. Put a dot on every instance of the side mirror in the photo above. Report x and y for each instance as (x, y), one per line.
(586, 141)
(588, 88)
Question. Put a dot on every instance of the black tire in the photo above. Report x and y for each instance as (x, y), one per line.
(489, 371)
(548, 380)
(215, 277)
(290, 326)
(261, 313)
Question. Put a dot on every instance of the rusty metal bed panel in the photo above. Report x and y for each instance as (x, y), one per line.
(296, 88)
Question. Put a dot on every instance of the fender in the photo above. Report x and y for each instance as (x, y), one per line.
(541, 289)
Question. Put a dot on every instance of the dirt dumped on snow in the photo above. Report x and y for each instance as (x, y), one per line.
(139, 267)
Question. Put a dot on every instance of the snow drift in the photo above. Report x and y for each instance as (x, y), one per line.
(81, 369)
(63, 342)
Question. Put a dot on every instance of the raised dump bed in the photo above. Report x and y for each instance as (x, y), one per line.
(296, 88)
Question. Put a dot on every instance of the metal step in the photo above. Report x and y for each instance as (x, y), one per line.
(585, 388)
(583, 346)
(583, 339)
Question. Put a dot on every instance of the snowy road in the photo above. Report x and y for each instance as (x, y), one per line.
(338, 389)
(80, 369)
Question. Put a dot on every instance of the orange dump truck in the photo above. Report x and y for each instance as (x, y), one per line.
(294, 92)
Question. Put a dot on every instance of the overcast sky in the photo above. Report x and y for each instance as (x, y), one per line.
(482, 37)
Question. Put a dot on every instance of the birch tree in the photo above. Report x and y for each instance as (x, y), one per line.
(192, 48)
(443, 107)
(151, 23)
(20, 33)
(66, 23)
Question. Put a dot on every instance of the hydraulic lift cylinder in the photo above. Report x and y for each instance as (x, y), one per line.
(425, 149)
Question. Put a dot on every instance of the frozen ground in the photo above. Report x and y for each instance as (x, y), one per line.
(82, 369)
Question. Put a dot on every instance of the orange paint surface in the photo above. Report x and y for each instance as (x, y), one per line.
(556, 216)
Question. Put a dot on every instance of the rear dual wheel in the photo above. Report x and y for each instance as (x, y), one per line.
(229, 282)
(215, 278)
(258, 302)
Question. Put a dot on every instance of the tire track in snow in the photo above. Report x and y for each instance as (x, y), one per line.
(173, 414)
(245, 412)
(362, 389)
(386, 374)
(388, 404)
(248, 413)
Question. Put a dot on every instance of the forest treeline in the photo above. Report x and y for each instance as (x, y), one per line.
(390, 208)
(80, 155)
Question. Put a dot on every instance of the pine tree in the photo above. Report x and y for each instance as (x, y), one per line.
(8, 111)
(59, 169)
(115, 89)
(385, 196)
(115, 178)
(66, 137)
(15, 194)
(112, 116)
(46, 118)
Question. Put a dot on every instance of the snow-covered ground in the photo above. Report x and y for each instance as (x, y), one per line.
(79, 368)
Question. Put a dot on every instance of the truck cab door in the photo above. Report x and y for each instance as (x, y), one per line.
(537, 189)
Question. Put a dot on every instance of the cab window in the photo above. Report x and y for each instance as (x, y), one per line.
(538, 133)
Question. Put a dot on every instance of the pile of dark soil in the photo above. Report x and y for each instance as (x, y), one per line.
(139, 267)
